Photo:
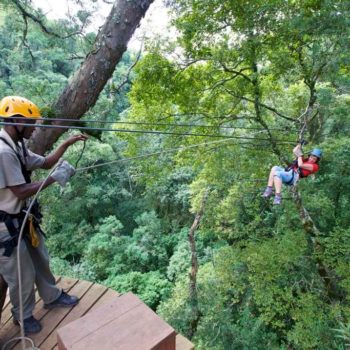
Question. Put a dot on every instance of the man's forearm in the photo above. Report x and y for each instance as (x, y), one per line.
(54, 157)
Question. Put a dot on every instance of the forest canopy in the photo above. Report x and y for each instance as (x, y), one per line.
(227, 98)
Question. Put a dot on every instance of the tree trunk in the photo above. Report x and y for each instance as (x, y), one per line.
(333, 290)
(195, 313)
(83, 90)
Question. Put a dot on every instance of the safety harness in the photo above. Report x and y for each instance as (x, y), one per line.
(13, 222)
(295, 169)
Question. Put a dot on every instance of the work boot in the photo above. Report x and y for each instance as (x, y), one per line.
(31, 325)
(277, 200)
(267, 193)
(64, 300)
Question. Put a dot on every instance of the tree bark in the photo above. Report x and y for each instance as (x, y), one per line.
(333, 290)
(84, 88)
(195, 313)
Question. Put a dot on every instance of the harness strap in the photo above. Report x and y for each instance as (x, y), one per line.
(9, 219)
(9, 246)
(14, 229)
(25, 172)
(291, 180)
(294, 166)
(301, 173)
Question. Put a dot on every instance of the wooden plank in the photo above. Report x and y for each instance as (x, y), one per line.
(126, 323)
(93, 298)
(10, 330)
(183, 343)
(86, 302)
(53, 317)
(136, 329)
(3, 293)
(79, 329)
(7, 314)
(105, 299)
(7, 300)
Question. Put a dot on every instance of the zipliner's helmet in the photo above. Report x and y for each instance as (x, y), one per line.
(11, 106)
(316, 152)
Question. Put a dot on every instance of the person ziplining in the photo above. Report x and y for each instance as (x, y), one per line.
(300, 168)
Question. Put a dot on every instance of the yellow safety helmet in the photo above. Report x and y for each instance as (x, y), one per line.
(16, 105)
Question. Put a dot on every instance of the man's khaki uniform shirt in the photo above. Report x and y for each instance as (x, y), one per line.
(11, 175)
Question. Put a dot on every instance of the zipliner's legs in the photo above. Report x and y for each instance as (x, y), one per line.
(276, 181)
(271, 177)
(278, 184)
(278, 187)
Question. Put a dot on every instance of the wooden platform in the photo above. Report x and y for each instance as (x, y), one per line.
(91, 296)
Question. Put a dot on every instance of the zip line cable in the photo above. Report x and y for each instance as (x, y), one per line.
(143, 132)
(149, 155)
(151, 124)
(152, 154)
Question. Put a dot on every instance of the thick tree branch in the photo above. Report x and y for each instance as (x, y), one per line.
(334, 292)
(237, 72)
(24, 39)
(195, 312)
(84, 88)
(127, 76)
(35, 19)
(261, 104)
(257, 107)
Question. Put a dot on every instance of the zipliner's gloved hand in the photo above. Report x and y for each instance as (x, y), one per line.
(63, 173)
(297, 151)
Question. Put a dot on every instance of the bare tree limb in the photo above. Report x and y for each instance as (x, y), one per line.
(262, 105)
(24, 39)
(195, 312)
(127, 77)
(334, 292)
(237, 72)
(35, 19)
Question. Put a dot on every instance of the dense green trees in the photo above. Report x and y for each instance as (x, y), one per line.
(257, 71)
(267, 65)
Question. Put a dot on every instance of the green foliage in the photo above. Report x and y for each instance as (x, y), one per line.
(179, 262)
(336, 254)
(343, 332)
(245, 69)
(151, 287)
(148, 251)
(103, 246)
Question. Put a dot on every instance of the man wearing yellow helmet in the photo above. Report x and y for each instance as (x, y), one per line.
(16, 164)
